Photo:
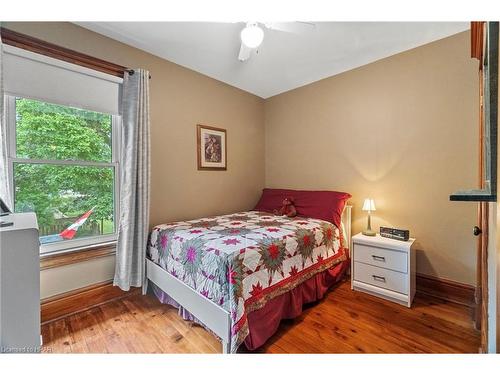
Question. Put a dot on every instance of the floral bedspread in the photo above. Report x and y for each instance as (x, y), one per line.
(241, 261)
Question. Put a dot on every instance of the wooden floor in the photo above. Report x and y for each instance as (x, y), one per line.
(343, 322)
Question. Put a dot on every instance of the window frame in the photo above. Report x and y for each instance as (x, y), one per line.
(489, 70)
(81, 243)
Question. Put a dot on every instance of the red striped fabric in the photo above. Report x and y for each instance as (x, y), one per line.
(70, 231)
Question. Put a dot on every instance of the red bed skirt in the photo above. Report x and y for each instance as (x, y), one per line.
(264, 323)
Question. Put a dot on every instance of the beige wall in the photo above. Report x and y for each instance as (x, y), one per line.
(180, 98)
(58, 280)
(401, 130)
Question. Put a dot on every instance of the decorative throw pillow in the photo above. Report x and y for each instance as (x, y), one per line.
(324, 205)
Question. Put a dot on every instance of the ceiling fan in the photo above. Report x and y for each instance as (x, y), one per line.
(252, 34)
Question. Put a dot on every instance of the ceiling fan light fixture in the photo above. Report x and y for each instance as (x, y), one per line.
(252, 35)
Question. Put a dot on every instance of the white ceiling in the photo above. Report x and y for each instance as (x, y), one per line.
(285, 60)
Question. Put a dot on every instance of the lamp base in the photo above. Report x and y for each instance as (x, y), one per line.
(369, 232)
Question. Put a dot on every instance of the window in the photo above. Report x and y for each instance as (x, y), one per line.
(63, 165)
(63, 147)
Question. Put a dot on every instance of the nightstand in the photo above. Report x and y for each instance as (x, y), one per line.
(384, 267)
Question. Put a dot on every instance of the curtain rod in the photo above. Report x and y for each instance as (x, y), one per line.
(29, 43)
(131, 72)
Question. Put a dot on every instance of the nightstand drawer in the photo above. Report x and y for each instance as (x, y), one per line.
(393, 260)
(381, 277)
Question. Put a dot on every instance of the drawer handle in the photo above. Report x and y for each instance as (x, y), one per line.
(378, 278)
(379, 258)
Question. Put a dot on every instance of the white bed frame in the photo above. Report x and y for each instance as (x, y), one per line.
(210, 314)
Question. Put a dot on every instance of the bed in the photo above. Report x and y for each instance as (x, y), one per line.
(240, 274)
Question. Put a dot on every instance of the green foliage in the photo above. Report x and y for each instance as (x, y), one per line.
(52, 132)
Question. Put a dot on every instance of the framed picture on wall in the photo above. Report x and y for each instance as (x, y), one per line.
(212, 148)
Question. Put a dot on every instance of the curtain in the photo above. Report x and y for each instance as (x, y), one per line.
(4, 178)
(134, 182)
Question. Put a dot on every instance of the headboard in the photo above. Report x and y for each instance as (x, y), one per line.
(346, 222)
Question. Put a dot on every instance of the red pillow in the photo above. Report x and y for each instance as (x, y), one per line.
(271, 199)
(324, 205)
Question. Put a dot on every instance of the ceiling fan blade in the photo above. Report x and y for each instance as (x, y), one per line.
(297, 27)
(244, 53)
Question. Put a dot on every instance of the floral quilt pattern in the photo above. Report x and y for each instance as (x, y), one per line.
(240, 261)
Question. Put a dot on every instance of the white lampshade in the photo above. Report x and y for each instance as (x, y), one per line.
(252, 35)
(369, 205)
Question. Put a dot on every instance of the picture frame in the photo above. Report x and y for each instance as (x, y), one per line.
(211, 148)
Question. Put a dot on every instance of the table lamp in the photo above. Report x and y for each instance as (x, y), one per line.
(369, 205)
